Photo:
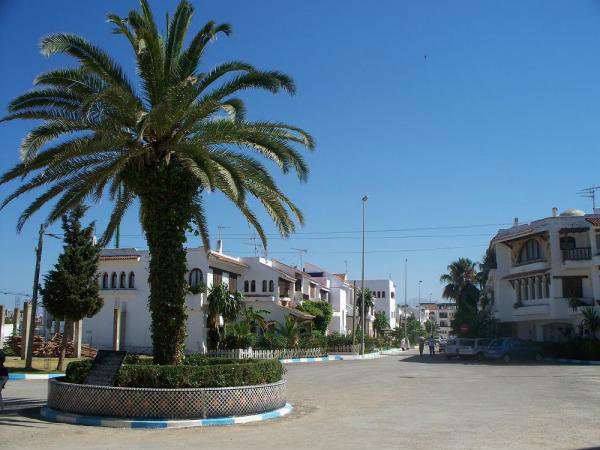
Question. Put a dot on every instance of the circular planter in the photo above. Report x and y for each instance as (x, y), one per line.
(149, 403)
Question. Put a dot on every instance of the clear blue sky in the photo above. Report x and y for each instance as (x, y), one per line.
(500, 120)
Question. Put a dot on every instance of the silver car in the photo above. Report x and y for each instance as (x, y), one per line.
(473, 348)
(452, 346)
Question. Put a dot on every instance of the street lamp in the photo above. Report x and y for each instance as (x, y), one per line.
(362, 282)
(405, 303)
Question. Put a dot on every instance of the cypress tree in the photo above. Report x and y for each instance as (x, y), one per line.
(71, 289)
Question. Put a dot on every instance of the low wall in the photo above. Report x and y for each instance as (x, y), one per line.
(190, 403)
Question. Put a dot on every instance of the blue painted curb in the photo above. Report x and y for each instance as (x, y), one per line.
(584, 362)
(374, 355)
(34, 376)
(98, 421)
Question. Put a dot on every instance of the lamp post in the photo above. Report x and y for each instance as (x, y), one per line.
(362, 280)
(405, 304)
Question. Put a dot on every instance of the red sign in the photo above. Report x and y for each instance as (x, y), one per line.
(464, 328)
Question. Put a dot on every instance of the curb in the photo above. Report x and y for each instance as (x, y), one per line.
(113, 422)
(573, 361)
(374, 355)
(34, 376)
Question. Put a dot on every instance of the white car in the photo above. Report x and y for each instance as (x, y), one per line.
(473, 348)
(452, 346)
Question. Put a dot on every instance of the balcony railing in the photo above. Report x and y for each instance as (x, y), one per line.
(577, 254)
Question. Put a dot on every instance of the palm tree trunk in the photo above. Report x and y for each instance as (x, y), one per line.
(165, 218)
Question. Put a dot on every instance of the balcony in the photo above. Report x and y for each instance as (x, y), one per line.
(577, 254)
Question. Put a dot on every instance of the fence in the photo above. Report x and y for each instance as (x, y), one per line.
(267, 354)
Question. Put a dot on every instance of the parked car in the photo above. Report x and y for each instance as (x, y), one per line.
(473, 348)
(509, 349)
(452, 346)
(442, 345)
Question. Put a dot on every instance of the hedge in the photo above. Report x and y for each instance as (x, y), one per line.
(241, 373)
(576, 349)
(78, 370)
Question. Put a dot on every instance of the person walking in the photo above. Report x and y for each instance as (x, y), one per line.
(421, 344)
(431, 346)
(3, 378)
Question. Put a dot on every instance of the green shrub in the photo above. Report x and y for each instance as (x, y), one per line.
(78, 370)
(314, 340)
(269, 341)
(338, 340)
(575, 349)
(233, 342)
(198, 359)
(322, 311)
(241, 373)
(137, 359)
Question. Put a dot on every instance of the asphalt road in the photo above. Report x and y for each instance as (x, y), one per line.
(397, 402)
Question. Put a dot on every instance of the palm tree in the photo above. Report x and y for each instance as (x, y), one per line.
(178, 134)
(221, 303)
(292, 330)
(462, 274)
(255, 318)
(368, 296)
(431, 328)
(591, 320)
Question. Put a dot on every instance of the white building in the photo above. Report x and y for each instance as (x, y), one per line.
(341, 294)
(384, 297)
(444, 317)
(544, 269)
(125, 317)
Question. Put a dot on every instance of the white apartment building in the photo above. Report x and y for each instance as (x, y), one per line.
(384, 297)
(341, 294)
(539, 267)
(441, 314)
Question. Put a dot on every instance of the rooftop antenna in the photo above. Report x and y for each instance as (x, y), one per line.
(590, 193)
(346, 263)
(219, 229)
(300, 252)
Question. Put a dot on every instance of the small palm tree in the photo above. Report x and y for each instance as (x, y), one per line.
(369, 304)
(591, 320)
(381, 322)
(177, 135)
(255, 318)
(292, 330)
(221, 303)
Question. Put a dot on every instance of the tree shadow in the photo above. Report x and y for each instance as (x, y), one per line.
(27, 412)
(442, 359)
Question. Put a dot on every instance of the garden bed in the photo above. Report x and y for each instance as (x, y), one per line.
(201, 388)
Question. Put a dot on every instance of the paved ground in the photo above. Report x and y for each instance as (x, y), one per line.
(397, 402)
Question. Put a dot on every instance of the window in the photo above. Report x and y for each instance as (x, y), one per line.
(298, 285)
(572, 287)
(196, 277)
(271, 286)
(217, 277)
(567, 243)
(113, 281)
(382, 294)
(105, 281)
(531, 251)
(253, 286)
(264, 286)
(122, 280)
(131, 280)
(525, 289)
(443, 315)
(519, 292)
(539, 288)
(547, 286)
(378, 294)
(232, 282)
(246, 284)
(392, 294)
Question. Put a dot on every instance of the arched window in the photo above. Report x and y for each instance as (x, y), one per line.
(131, 280)
(122, 280)
(567, 243)
(246, 286)
(382, 294)
(113, 280)
(264, 286)
(392, 294)
(271, 286)
(253, 286)
(105, 281)
(531, 251)
(196, 277)
(378, 294)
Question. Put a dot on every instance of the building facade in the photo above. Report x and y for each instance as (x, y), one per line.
(544, 272)
(384, 297)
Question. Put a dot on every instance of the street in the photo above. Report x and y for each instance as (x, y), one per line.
(407, 401)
